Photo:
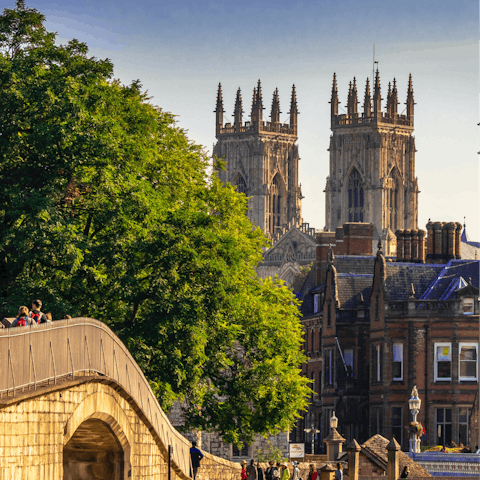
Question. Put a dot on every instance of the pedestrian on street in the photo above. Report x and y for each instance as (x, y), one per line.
(244, 470)
(285, 473)
(405, 472)
(339, 472)
(296, 471)
(252, 471)
(260, 473)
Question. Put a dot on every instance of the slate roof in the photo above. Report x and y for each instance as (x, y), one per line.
(349, 286)
(400, 276)
(454, 274)
(362, 265)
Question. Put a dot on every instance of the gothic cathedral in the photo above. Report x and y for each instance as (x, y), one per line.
(372, 164)
(262, 160)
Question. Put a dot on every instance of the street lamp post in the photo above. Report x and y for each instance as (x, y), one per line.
(414, 405)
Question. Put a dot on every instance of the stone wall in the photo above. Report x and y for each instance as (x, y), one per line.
(35, 432)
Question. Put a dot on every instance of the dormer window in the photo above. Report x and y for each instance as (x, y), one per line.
(468, 306)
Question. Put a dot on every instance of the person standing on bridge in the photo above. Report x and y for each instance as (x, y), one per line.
(23, 319)
(36, 314)
(196, 455)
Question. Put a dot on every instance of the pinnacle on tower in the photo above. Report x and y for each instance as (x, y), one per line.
(257, 104)
(293, 110)
(377, 97)
(394, 99)
(237, 113)
(219, 107)
(259, 96)
(334, 100)
(354, 96)
(367, 103)
(254, 104)
(275, 112)
(389, 99)
(410, 102)
(349, 99)
(219, 110)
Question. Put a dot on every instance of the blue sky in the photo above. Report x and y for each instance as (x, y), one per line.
(181, 51)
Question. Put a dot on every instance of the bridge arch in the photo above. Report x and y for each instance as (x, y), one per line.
(96, 409)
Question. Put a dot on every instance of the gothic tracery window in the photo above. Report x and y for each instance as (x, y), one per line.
(275, 205)
(241, 185)
(355, 198)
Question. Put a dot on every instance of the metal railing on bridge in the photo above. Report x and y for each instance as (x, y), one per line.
(35, 356)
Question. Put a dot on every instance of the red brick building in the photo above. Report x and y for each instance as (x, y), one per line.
(376, 326)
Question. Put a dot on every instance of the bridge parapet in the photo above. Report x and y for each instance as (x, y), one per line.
(49, 355)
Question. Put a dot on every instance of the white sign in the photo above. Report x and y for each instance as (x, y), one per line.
(297, 450)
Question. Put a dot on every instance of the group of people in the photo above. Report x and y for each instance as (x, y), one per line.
(280, 471)
(34, 316)
(254, 471)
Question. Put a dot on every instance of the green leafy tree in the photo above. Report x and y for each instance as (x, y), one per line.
(107, 211)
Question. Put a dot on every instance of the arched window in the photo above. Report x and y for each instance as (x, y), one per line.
(241, 185)
(275, 205)
(393, 205)
(355, 198)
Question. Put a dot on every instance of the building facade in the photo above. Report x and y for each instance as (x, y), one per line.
(262, 160)
(372, 163)
(375, 326)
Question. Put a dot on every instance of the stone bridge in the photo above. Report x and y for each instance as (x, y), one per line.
(75, 405)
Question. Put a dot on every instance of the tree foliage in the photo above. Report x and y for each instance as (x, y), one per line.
(107, 211)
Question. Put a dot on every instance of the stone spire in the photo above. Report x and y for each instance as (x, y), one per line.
(293, 110)
(410, 103)
(257, 105)
(219, 110)
(334, 100)
(377, 97)
(394, 98)
(275, 112)
(367, 103)
(237, 113)
(389, 99)
(254, 105)
(354, 96)
(349, 100)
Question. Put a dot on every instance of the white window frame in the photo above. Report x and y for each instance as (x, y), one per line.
(470, 304)
(400, 378)
(467, 344)
(436, 345)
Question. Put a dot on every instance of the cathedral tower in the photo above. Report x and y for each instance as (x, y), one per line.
(372, 163)
(262, 160)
